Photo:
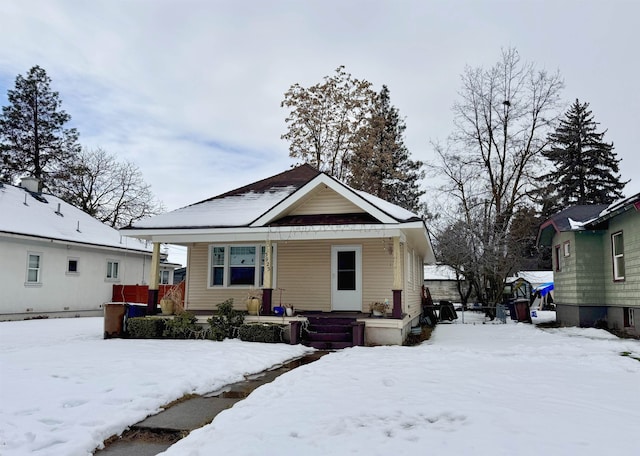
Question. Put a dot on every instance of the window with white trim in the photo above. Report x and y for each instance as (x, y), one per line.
(617, 252)
(164, 277)
(72, 266)
(113, 270)
(34, 262)
(628, 317)
(237, 265)
(566, 247)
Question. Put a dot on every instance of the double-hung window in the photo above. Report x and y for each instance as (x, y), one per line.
(34, 261)
(236, 265)
(617, 251)
(113, 270)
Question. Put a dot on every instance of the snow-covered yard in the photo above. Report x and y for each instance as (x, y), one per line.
(483, 389)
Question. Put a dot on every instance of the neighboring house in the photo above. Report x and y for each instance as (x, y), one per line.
(596, 261)
(442, 283)
(307, 240)
(58, 261)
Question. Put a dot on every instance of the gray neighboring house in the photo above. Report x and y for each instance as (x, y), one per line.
(442, 283)
(596, 263)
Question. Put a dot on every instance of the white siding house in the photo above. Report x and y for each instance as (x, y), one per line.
(56, 260)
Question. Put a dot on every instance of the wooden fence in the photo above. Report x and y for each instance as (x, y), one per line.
(140, 293)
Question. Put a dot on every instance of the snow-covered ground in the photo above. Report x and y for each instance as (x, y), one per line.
(64, 389)
(477, 388)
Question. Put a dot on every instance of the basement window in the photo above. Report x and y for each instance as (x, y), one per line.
(628, 317)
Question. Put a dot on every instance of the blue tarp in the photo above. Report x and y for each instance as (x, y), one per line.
(544, 289)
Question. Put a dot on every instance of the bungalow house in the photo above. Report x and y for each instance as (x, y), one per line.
(306, 239)
(596, 262)
(57, 260)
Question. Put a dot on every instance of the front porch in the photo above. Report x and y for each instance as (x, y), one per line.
(335, 330)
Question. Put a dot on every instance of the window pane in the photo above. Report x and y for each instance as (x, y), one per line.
(34, 261)
(244, 256)
(619, 269)
(32, 275)
(73, 265)
(218, 276)
(218, 256)
(115, 270)
(346, 270)
(618, 245)
(242, 276)
(347, 260)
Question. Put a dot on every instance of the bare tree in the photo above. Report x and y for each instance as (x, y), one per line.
(111, 191)
(501, 123)
(325, 119)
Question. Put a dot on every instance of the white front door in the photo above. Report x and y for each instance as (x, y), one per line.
(346, 277)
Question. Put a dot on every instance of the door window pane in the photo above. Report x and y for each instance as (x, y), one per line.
(346, 270)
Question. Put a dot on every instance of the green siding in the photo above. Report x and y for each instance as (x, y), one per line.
(586, 275)
(627, 292)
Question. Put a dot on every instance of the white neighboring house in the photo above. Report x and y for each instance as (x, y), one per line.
(58, 261)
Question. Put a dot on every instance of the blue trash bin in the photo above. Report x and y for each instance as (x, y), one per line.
(134, 311)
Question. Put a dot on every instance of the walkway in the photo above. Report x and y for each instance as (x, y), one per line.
(158, 432)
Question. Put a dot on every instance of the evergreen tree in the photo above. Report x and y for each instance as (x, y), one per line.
(33, 139)
(381, 164)
(586, 168)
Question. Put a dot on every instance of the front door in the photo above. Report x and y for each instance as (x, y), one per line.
(346, 277)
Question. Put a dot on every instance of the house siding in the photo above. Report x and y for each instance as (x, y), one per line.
(326, 201)
(626, 292)
(303, 274)
(586, 293)
(60, 293)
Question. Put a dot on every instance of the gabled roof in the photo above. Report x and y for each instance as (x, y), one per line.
(301, 203)
(44, 216)
(614, 209)
(267, 202)
(589, 217)
(567, 220)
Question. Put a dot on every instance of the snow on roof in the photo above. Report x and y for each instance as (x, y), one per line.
(536, 277)
(48, 217)
(439, 272)
(393, 210)
(242, 206)
(228, 211)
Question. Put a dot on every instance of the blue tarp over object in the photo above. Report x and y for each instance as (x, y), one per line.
(544, 289)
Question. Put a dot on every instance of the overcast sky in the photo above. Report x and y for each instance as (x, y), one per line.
(190, 90)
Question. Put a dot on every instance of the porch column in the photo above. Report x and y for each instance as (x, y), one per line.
(396, 312)
(267, 280)
(152, 296)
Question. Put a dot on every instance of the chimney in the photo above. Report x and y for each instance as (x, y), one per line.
(31, 184)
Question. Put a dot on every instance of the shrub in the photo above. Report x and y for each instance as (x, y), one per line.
(226, 321)
(261, 332)
(182, 326)
(145, 328)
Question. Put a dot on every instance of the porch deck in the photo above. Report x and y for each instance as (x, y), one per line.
(325, 325)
